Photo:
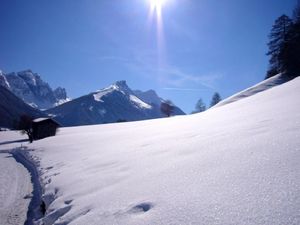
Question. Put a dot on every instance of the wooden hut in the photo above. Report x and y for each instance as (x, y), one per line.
(44, 127)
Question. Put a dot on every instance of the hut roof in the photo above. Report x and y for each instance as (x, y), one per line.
(37, 120)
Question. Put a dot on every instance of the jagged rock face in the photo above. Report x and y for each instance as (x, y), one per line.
(32, 89)
(112, 104)
(60, 93)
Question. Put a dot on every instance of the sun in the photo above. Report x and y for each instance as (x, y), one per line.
(157, 4)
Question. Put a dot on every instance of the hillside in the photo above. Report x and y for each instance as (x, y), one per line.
(108, 105)
(235, 164)
(11, 108)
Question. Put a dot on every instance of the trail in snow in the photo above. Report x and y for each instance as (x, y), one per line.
(15, 182)
(15, 191)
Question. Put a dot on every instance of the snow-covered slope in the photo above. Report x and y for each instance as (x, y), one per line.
(235, 164)
(262, 86)
(114, 103)
(11, 108)
(32, 89)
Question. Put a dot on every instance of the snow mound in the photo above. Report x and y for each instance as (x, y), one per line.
(237, 164)
(262, 86)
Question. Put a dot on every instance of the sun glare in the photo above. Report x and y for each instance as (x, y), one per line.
(157, 4)
(156, 15)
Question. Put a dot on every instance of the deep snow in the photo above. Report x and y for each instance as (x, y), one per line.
(235, 164)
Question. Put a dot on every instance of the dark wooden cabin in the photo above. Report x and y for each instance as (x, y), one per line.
(44, 127)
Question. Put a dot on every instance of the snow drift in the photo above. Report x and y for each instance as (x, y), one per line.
(235, 164)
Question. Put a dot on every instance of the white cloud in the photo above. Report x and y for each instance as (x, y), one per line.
(182, 89)
(178, 78)
(144, 63)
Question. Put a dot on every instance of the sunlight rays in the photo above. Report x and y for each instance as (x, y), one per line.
(155, 14)
(157, 5)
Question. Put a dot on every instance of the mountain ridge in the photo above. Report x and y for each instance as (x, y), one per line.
(116, 102)
(12, 107)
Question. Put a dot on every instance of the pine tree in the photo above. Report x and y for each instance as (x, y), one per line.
(200, 106)
(279, 37)
(291, 51)
(216, 98)
(296, 13)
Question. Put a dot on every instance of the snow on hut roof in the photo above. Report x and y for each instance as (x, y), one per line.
(41, 119)
(37, 120)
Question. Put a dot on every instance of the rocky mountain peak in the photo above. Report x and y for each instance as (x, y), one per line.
(30, 87)
(122, 86)
(60, 93)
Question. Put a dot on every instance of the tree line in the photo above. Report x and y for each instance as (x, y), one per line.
(284, 46)
(284, 52)
(201, 107)
(167, 107)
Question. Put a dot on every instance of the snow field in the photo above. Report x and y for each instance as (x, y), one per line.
(235, 164)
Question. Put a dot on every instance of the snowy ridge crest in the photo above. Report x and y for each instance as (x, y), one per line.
(262, 86)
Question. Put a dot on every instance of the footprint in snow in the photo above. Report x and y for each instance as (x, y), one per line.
(142, 207)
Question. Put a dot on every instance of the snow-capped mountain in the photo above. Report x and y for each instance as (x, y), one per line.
(11, 108)
(114, 103)
(32, 89)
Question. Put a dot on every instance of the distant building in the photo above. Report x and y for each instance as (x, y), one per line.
(44, 127)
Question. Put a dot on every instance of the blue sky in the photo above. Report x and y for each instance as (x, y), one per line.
(200, 46)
